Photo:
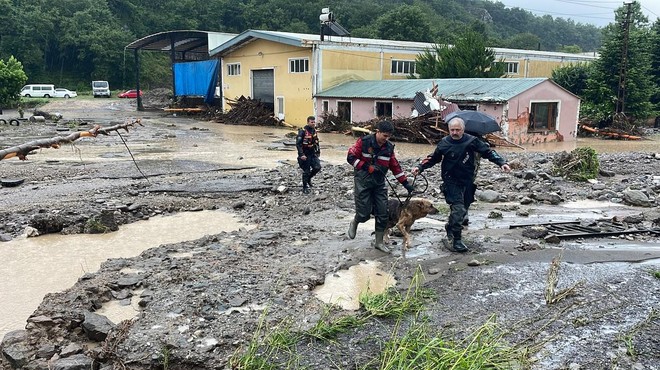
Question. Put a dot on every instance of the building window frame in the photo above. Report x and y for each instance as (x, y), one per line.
(299, 65)
(384, 109)
(233, 69)
(512, 68)
(544, 115)
(403, 67)
(325, 106)
(345, 110)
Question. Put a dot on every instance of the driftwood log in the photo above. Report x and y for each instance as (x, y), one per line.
(21, 151)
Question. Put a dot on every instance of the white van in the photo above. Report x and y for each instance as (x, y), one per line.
(38, 91)
(100, 88)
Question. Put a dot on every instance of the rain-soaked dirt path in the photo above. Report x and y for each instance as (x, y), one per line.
(200, 298)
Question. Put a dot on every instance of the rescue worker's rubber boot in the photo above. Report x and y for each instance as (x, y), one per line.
(309, 179)
(459, 246)
(305, 181)
(378, 243)
(450, 235)
(352, 229)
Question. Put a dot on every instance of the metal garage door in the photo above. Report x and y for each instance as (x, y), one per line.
(263, 87)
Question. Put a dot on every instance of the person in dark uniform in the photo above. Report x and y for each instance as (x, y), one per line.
(371, 157)
(457, 153)
(309, 151)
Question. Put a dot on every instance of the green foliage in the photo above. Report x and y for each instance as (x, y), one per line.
(417, 348)
(656, 274)
(579, 165)
(467, 58)
(654, 50)
(603, 83)
(12, 79)
(407, 23)
(573, 77)
(527, 41)
(572, 49)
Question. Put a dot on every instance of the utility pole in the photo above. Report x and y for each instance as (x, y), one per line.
(621, 95)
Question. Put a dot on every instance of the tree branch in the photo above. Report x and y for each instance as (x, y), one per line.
(21, 151)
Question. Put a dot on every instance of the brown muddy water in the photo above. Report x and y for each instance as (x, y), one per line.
(33, 267)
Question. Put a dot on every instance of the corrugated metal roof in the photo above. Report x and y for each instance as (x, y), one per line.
(308, 40)
(455, 89)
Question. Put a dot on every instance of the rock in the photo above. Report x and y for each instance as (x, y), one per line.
(636, 198)
(75, 362)
(47, 223)
(103, 223)
(46, 351)
(30, 232)
(238, 205)
(434, 271)
(526, 200)
(281, 189)
(495, 214)
(71, 349)
(4, 238)
(553, 239)
(606, 173)
(96, 326)
(552, 198)
(535, 232)
(529, 175)
(474, 263)
(488, 196)
(11, 182)
(634, 219)
(128, 280)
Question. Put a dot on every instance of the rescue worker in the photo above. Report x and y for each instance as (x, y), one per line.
(371, 157)
(309, 151)
(457, 153)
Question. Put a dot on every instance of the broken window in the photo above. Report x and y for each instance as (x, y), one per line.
(543, 116)
(344, 110)
(383, 109)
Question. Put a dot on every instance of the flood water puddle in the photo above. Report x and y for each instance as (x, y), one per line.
(33, 267)
(344, 287)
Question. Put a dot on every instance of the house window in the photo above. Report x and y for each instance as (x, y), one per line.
(344, 110)
(383, 109)
(299, 65)
(403, 67)
(326, 106)
(280, 106)
(234, 69)
(511, 68)
(543, 116)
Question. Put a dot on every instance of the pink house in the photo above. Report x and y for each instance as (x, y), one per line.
(529, 110)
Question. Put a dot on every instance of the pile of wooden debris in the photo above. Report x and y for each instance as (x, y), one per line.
(248, 111)
(427, 128)
(619, 126)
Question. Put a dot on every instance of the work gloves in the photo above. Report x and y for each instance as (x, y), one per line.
(408, 187)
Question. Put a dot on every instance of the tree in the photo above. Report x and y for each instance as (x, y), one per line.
(573, 77)
(408, 23)
(12, 79)
(654, 49)
(602, 86)
(468, 58)
(526, 41)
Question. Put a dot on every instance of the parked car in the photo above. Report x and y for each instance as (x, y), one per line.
(101, 88)
(38, 91)
(64, 93)
(131, 94)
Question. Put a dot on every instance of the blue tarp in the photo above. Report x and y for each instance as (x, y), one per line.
(196, 78)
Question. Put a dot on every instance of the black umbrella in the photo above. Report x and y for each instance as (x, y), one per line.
(475, 122)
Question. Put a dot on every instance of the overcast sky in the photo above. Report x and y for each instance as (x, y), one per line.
(596, 12)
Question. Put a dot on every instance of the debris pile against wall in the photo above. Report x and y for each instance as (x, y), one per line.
(247, 111)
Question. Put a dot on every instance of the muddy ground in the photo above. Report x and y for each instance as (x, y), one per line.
(188, 291)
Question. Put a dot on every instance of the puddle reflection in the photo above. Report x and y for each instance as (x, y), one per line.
(343, 288)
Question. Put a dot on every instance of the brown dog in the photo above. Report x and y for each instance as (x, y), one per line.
(404, 217)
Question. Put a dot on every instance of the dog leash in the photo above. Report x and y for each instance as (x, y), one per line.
(405, 203)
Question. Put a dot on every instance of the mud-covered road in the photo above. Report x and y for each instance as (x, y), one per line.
(203, 302)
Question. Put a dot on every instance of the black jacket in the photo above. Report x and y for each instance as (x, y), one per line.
(458, 158)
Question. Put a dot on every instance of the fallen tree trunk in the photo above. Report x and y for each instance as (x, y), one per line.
(21, 151)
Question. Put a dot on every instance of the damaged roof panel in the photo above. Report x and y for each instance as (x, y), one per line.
(453, 89)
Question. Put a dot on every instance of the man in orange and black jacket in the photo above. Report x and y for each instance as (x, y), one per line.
(372, 156)
(309, 151)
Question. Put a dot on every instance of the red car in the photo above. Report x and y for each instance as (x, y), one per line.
(131, 94)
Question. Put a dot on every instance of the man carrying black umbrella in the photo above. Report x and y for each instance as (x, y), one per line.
(457, 153)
